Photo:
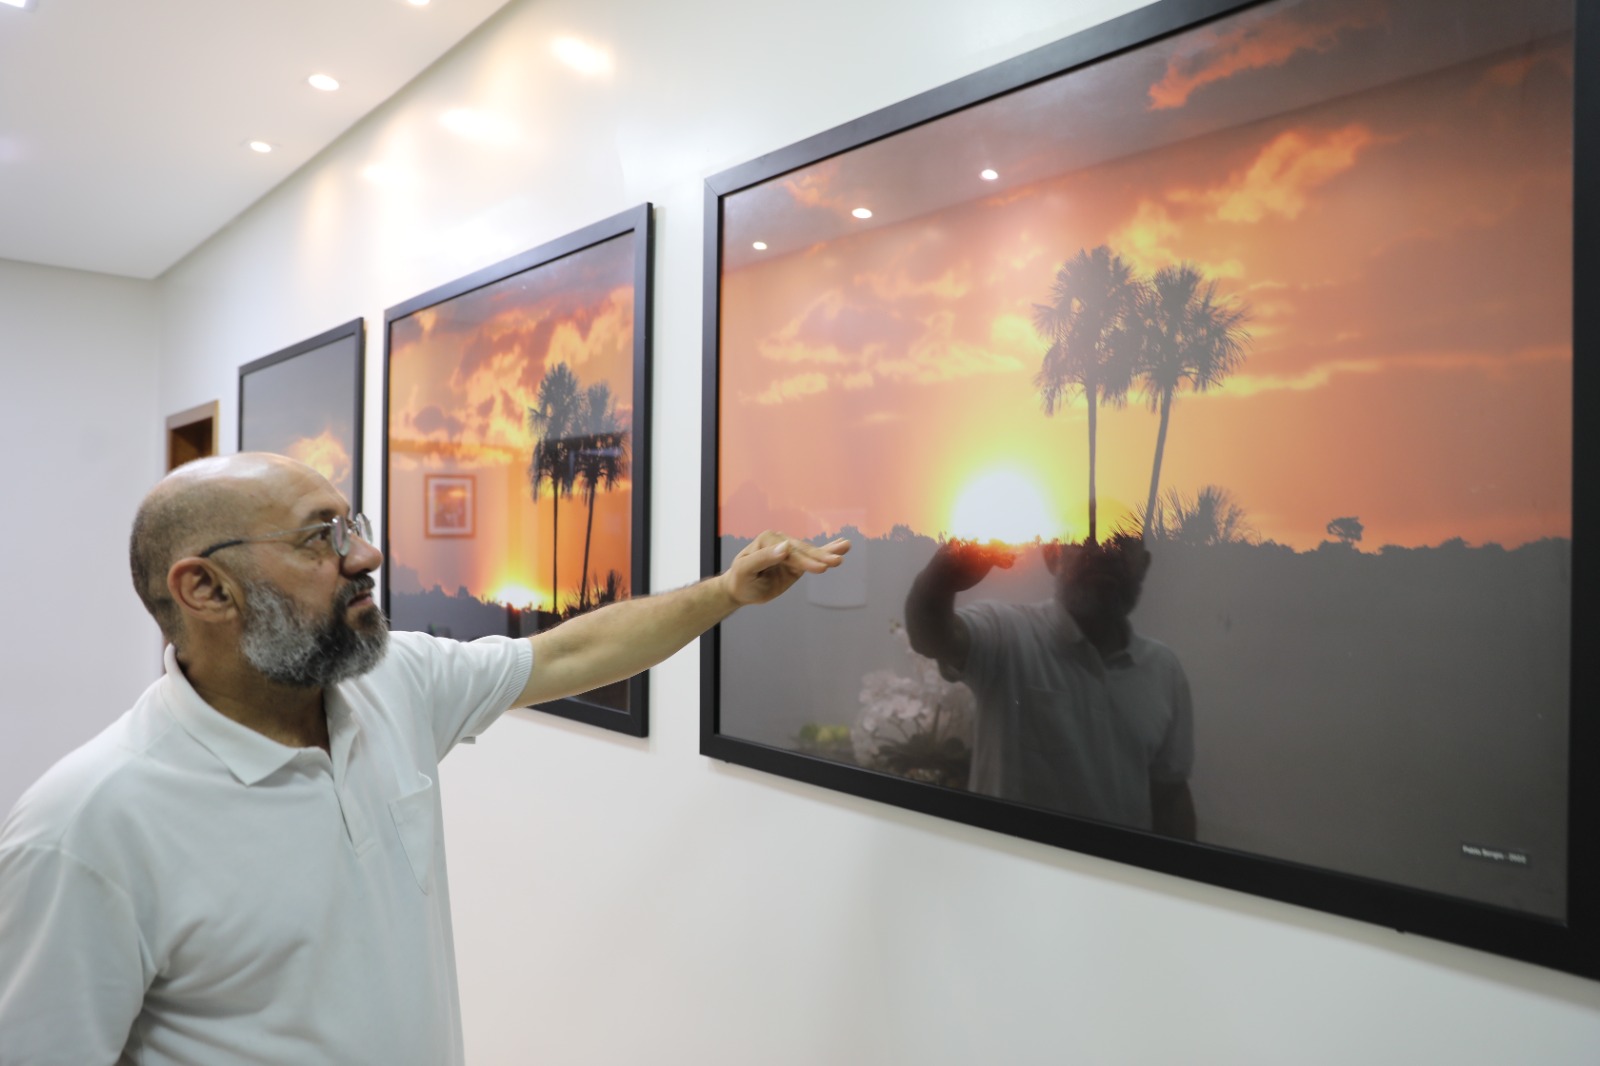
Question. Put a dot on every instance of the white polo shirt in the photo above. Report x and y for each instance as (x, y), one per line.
(182, 889)
(1061, 727)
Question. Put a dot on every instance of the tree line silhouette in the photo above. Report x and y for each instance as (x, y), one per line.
(1110, 331)
(580, 443)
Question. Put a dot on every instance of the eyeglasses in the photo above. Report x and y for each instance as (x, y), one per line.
(340, 531)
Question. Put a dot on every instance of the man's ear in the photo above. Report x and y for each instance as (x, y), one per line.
(201, 591)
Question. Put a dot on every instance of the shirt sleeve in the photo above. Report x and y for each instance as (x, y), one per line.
(984, 635)
(466, 685)
(73, 967)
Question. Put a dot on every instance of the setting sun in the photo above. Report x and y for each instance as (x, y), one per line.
(519, 596)
(1005, 505)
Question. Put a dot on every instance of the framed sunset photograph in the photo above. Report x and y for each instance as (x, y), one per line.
(1197, 393)
(517, 448)
(305, 402)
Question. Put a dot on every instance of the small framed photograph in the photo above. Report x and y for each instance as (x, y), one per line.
(449, 503)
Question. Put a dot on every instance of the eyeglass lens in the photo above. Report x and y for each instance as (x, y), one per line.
(343, 528)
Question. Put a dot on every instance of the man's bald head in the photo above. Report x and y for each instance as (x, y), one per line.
(193, 507)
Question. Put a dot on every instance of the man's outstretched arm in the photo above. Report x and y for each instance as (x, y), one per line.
(621, 639)
(932, 625)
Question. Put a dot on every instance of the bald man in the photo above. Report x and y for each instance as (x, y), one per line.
(245, 867)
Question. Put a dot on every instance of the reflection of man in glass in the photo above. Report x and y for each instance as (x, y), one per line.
(1076, 711)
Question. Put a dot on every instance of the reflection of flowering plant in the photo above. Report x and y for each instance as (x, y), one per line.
(916, 726)
(830, 741)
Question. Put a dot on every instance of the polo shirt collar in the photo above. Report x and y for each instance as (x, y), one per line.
(1071, 633)
(248, 755)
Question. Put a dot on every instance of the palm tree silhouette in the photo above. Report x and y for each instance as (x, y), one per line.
(553, 419)
(1085, 322)
(1180, 334)
(600, 454)
(1210, 516)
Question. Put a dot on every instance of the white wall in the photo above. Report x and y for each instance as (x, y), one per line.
(83, 437)
(622, 901)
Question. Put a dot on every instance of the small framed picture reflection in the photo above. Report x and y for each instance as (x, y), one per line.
(448, 499)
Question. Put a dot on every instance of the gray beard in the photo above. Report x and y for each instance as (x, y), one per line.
(299, 652)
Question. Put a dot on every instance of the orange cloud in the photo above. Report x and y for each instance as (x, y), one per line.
(483, 411)
(939, 355)
(323, 453)
(789, 350)
(1257, 45)
(611, 330)
(1495, 366)
(811, 187)
(1152, 239)
(1511, 73)
(953, 284)
(1281, 177)
(794, 388)
(1147, 239)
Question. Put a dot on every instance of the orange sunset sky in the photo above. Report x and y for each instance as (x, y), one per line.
(462, 375)
(1388, 195)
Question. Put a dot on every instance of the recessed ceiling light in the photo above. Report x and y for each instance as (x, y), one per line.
(760, 246)
(989, 175)
(862, 212)
(259, 146)
(324, 82)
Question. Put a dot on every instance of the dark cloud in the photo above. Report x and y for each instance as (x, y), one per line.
(431, 419)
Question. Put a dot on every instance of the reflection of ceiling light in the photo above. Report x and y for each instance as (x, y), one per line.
(583, 57)
(417, 3)
(760, 246)
(24, 4)
(989, 175)
(862, 212)
(259, 146)
(324, 82)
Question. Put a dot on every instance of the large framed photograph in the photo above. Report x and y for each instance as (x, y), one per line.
(1198, 395)
(517, 448)
(305, 402)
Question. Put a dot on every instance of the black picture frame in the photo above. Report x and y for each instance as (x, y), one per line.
(625, 242)
(1569, 942)
(317, 384)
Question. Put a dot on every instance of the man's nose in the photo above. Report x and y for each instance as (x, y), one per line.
(363, 556)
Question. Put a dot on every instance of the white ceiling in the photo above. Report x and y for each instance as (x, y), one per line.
(123, 123)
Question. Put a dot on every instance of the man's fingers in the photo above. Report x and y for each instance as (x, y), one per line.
(815, 560)
(772, 550)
